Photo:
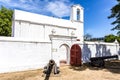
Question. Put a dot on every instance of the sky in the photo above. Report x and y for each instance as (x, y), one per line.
(96, 12)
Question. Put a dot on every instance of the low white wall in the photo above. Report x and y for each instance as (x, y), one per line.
(20, 54)
(17, 55)
(98, 49)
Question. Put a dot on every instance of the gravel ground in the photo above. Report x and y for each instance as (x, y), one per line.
(85, 72)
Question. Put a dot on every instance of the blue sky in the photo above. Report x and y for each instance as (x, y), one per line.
(96, 12)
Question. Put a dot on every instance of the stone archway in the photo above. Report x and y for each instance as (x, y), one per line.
(64, 54)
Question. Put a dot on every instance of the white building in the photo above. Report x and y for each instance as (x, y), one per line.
(61, 33)
(37, 38)
(39, 27)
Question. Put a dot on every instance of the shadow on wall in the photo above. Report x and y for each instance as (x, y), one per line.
(101, 50)
(86, 53)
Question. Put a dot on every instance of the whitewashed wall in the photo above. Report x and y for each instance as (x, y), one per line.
(17, 54)
(20, 54)
(35, 31)
(39, 27)
(98, 49)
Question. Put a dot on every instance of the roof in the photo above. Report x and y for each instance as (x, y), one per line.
(77, 5)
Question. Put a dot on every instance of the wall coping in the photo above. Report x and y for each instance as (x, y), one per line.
(97, 42)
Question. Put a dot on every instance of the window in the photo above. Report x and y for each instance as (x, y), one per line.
(78, 14)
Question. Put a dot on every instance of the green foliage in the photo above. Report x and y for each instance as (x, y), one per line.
(115, 13)
(118, 38)
(110, 38)
(5, 21)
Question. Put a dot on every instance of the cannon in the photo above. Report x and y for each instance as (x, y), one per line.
(99, 61)
(51, 68)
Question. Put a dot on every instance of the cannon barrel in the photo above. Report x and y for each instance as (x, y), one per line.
(48, 68)
(51, 67)
(104, 57)
(99, 61)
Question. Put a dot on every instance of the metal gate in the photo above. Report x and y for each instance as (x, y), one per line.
(75, 55)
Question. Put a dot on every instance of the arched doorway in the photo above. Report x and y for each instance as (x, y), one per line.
(64, 54)
(75, 55)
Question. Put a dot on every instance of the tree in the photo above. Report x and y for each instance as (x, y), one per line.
(118, 38)
(5, 21)
(115, 13)
(110, 38)
(118, 33)
(87, 37)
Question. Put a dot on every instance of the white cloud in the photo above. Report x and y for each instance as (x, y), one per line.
(23, 1)
(5, 1)
(60, 8)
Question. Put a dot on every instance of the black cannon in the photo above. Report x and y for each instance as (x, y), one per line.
(51, 68)
(99, 61)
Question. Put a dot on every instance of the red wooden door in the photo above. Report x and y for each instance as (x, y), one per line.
(75, 55)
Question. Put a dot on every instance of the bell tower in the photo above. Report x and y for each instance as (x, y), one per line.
(77, 18)
(76, 13)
